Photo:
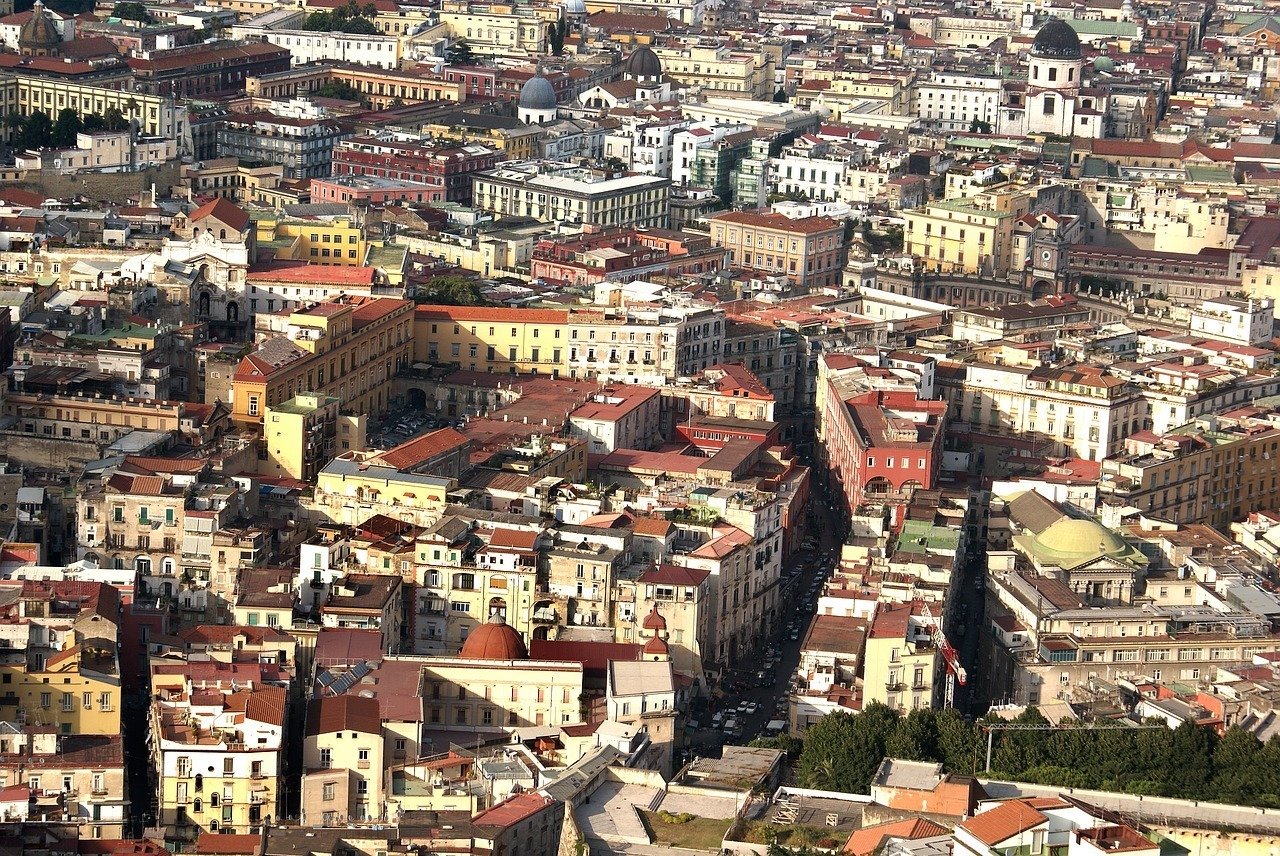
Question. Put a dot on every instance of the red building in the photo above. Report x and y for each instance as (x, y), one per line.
(623, 255)
(882, 445)
(711, 433)
(206, 70)
(477, 81)
(448, 168)
(373, 189)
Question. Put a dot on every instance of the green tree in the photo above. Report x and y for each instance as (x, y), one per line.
(114, 119)
(915, 738)
(780, 96)
(782, 742)
(93, 122)
(979, 126)
(338, 89)
(1233, 766)
(66, 128)
(36, 131)
(961, 748)
(556, 34)
(350, 18)
(131, 11)
(451, 290)
(842, 751)
(459, 53)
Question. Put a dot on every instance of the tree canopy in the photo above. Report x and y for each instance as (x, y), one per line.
(351, 18)
(459, 53)
(131, 11)
(843, 750)
(451, 290)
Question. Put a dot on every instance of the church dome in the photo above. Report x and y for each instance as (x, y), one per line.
(574, 7)
(537, 94)
(656, 647)
(655, 621)
(39, 35)
(494, 641)
(1057, 40)
(1104, 64)
(643, 62)
(1069, 536)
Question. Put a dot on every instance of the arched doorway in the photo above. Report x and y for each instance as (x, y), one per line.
(416, 398)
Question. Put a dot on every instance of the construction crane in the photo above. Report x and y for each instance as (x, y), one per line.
(955, 671)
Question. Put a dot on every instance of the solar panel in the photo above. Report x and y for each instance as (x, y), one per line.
(349, 678)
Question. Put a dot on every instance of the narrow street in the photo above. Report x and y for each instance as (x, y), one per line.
(802, 577)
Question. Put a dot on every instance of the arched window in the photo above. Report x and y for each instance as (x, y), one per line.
(199, 782)
(197, 805)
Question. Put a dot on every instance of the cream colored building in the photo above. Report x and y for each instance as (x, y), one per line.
(217, 762)
(344, 772)
(468, 574)
(966, 236)
(902, 668)
(301, 435)
(720, 71)
(156, 116)
(806, 251)
(497, 29)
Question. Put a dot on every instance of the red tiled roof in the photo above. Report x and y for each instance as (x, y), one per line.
(343, 713)
(1003, 822)
(767, 220)
(866, 841)
(307, 273)
(214, 844)
(491, 313)
(266, 705)
(224, 211)
(413, 452)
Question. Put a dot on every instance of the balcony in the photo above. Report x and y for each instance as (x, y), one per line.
(894, 686)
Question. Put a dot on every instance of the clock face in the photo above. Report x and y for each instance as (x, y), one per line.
(1046, 255)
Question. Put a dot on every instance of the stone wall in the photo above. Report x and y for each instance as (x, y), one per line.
(113, 187)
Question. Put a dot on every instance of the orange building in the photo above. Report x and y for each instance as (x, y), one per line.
(350, 348)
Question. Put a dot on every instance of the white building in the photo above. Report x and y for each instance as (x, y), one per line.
(946, 101)
(306, 47)
(1054, 99)
(1244, 322)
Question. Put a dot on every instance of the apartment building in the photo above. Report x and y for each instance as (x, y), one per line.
(87, 773)
(468, 572)
(345, 773)
(676, 604)
(954, 102)
(720, 71)
(93, 417)
(637, 341)
(445, 168)
(806, 251)
(1080, 410)
(302, 145)
(555, 192)
(966, 236)
(515, 33)
(61, 667)
(337, 240)
(305, 46)
(379, 87)
(348, 349)
(217, 756)
(300, 436)
(1214, 470)
(492, 339)
(156, 115)
(902, 668)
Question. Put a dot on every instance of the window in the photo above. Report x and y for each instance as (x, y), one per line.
(326, 758)
(363, 755)
(328, 791)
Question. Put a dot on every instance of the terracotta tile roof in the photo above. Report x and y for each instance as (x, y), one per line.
(512, 810)
(266, 705)
(1003, 822)
(657, 527)
(674, 575)
(308, 273)
(216, 844)
(420, 449)
(494, 314)
(224, 211)
(762, 219)
(344, 713)
(866, 841)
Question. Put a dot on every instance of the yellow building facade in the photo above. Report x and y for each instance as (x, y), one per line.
(965, 236)
(492, 339)
(321, 241)
(350, 350)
